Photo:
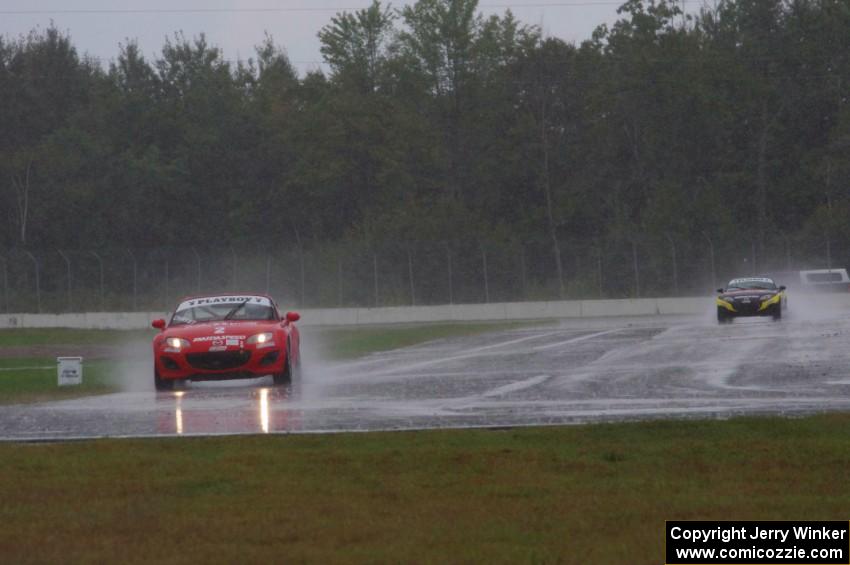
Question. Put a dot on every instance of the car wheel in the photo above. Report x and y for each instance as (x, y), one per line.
(160, 383)
(285, 376)
(722, 316)
(777, 314)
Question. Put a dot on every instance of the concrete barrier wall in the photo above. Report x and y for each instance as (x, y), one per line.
(421, 314)
(86, 320)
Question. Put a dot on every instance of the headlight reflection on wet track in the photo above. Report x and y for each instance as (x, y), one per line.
(200, 421)
(178, 412)
(264, 410)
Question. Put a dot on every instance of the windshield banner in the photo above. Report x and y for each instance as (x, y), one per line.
(224, 299)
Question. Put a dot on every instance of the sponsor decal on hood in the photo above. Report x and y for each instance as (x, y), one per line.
(219, 337)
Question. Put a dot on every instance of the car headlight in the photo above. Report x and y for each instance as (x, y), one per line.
(260, 338)
(728, 299)
(175, 344)
(766, 297)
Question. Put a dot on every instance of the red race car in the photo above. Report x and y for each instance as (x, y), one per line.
(226, 336)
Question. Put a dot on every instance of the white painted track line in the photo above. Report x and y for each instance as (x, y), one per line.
(576, 339)
(517, 386)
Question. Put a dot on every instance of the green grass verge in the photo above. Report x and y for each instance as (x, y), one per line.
(588, 494)
(24, 380)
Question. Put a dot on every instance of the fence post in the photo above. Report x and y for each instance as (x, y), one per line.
(339, 280)
(68, 275)
(636, 268)
(410, 277)
(167, 303)
(375, 273)
(268, 272)
(135, 279)
(198, 273)
(102, 296)
(486, 280)
(753, 246)
(787, 252)
(233, 274)
(600, 280)
(5, 284)
(303, 276)
(675, 270)
(37, 281)
(711, 256)
(451, 281)
(828, 253)
(577, 257)
(523, 278)
(559, 268)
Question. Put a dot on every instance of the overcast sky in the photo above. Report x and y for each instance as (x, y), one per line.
(98, 26)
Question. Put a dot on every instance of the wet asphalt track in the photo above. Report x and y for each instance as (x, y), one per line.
(572, 372)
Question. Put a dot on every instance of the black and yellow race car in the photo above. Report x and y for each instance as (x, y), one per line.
(752, 296)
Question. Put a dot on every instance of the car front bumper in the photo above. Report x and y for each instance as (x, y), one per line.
(220, 365)
(749, 309)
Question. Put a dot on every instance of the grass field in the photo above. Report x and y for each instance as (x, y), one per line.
(583, 494)
(30, 376)
(34, 379)
(28, 361)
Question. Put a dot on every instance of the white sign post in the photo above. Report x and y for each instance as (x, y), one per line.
(70, 370)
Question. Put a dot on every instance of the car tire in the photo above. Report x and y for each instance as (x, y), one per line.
(284, 378)
(723, 317)
(162, 384)
(777, 313)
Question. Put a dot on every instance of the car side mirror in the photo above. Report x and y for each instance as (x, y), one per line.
(159, 324)
(720, 290)
(782, 287)
(292, 317)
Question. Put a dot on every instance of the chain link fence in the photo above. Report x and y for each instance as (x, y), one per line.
(354, 274)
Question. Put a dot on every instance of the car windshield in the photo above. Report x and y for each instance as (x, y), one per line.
(751, 284)
(218, 309)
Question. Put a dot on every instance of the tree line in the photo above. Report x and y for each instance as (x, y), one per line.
(665, 135)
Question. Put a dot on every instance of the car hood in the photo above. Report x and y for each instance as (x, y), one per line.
(752, 293)
(235, 329)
